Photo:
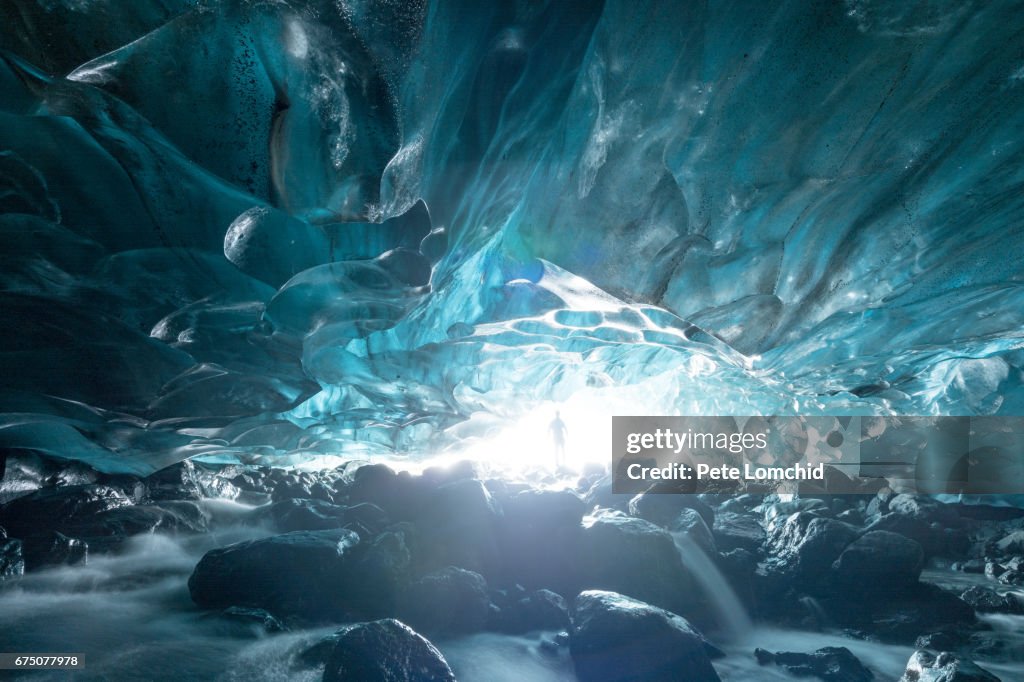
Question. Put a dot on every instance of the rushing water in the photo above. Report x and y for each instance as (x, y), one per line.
(132, 618)
(729, 612)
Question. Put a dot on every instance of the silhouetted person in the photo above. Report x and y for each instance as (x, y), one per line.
(558, 434)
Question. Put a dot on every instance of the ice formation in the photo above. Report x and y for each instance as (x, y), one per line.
(268, 231)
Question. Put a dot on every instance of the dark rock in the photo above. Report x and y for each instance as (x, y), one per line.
(540, 537)
(925, 666)
(540, 610)
(805, 546)
(449, 601)
(318, 653)
(305, 514)
(780, 511)
(601, 494)
(941, 641)
(903, 615)
(636, 558)
(107, 530)
(879, 561)
(1012, 543)
(40, 512)
(259, 617)
(831, 663)
(399, 494)
(311, 574)
(737, 503)
(25, 471)
(932, 524)
(738, 531)
(984, 600)
(251, 481)
(691, 525)
(739, 567)
(54, 549)
(301, 486)
(188, 481)
(925, 509)
(12, 562)
(663, 508)
(459, 524)
(171, 517)
(381, 570)
(1015, 578)
(614, 638)
(100, 515)
(385, 651)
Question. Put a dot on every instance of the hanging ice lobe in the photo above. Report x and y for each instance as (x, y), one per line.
(268, 231)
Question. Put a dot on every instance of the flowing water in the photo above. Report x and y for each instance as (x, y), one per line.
(132, 618)
(730, 615)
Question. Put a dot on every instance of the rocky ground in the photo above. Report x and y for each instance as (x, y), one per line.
(395, 559)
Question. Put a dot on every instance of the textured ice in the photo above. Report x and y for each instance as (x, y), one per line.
(270, 231)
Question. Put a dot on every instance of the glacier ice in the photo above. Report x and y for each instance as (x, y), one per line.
(274, 231)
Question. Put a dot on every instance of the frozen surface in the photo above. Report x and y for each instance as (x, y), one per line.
(376, 228)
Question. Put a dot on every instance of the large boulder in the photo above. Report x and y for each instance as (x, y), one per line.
(173, 517)
(187, 480)
(540, 537)
(316, 575)
(662, 508)
(54, 549)
(458, 524)
(450, 601)
(985, 600)
(539, 610)
(636, 558)
(934, 525)
(25, 471)
(690, 524)
(900, 615)
(385, 651)
(831, 663)
(805, 545)
(309, 514)
(614, 639)
(924, 666)
(879, 561)
(778, 512)
(1011, 543)
(107, 530)
(924, 508)
(397, 493)
(738, 531)
(47, 509)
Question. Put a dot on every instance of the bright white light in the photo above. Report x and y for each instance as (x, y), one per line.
(525, 444)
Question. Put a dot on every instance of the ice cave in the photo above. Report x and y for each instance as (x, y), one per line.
(318, 316)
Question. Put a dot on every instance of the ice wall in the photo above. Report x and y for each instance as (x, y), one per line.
(266, 229)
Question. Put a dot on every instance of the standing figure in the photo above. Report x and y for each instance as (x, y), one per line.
(558, 434)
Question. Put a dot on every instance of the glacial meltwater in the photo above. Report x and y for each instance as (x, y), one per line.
(131, 617)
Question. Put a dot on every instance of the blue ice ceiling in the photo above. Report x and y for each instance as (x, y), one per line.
(263, 230)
